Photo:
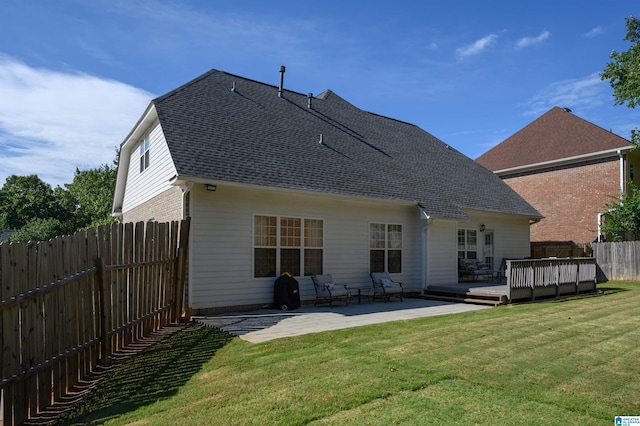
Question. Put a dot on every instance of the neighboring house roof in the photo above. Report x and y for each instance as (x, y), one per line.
(556, 135)
(250, 135)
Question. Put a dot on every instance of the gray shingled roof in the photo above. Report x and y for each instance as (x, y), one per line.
(252, 136)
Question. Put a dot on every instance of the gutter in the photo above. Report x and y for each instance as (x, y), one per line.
(564, 161)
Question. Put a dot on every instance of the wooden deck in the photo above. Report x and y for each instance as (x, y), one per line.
(484, 293)
(528, 279)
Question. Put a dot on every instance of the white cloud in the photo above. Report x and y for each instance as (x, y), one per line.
(594, 32)
(52, 122)
(477, 47)
(530, 41)
(577, 94)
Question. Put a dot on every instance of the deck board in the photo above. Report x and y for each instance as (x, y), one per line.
(492, 289)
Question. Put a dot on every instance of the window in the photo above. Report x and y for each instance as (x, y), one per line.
(144, 153)
(467, 244)
(265, 236)
(385, 248)
(288, 244)
(488, 248)
(313, 243)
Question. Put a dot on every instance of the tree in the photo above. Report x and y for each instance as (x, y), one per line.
(91, 194)
(39, 230)
(623, 72)
(622, 220)
(36, 212)
(24, 198)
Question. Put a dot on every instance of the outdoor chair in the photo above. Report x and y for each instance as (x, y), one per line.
(385, 287)
(473, 268)
(327, 291)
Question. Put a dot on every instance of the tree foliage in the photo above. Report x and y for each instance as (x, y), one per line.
(40, 230)
(37, 212)
(623, 72)
(622, 221)
(92, 192)
(24, 198)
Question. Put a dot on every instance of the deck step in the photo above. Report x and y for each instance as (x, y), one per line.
(468, 297)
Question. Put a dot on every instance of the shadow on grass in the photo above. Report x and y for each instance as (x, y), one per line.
(601, 291)
(156, 373)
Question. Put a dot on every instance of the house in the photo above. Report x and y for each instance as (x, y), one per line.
(568, 169)
(274, 180)
(6, 234)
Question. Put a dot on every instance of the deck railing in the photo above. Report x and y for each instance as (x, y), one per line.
(533, 278)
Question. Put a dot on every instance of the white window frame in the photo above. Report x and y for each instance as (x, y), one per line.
(306, 242)
(467, 246)
(389, 245)
(144, 153)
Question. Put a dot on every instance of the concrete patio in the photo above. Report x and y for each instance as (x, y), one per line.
(268, 324)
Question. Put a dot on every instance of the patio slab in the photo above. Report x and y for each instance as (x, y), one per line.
(268, 324)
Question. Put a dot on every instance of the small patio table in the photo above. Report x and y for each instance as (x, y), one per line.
(360, 291)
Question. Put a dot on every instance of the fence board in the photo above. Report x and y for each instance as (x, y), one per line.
(45, 383)
(617, 261)
(10, 332)
(138, 274)
(69, 302)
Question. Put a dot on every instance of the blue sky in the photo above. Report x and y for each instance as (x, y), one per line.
(76, 75)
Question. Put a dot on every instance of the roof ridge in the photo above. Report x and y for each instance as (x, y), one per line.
(557, 134)
(214, 71)
(596, 125)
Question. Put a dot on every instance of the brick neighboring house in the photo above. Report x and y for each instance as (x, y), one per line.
(568, 169)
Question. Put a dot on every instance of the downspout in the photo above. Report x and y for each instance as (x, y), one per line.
(622, 175)
(622, 172)
(425, 246)
(186, 189)
(599, 227)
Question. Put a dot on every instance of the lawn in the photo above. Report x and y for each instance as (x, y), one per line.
(560, 362)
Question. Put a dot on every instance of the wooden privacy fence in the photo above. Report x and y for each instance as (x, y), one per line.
(531, 278)
(617, 261)
(69, 303)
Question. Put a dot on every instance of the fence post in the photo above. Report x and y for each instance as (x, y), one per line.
(181, 273)
(105, 312)
(178, 286)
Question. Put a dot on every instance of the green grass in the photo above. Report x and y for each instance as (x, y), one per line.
(561, 362)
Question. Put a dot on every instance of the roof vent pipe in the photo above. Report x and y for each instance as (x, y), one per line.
(282, 70)
(233, 86)
(309, 96)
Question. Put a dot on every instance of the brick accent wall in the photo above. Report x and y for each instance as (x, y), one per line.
(164, 207)
(569, 198)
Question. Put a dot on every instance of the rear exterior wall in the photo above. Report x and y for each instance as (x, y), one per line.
(569, 198)
(164, 207)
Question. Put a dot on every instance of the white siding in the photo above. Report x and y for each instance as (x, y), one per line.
(141, 187)
(221, 250)
(442, 252)
(511, 234)
(221, 263)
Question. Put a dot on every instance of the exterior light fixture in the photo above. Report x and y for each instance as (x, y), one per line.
(482, 227)
(211, 188)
